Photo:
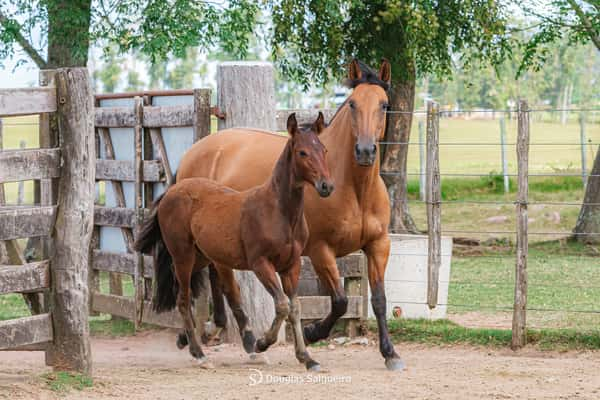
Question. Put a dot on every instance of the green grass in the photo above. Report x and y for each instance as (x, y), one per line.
(447, 332)
(63, 382)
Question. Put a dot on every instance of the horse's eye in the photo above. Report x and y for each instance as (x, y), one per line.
(302, 153)
(352, 105)
(385, 106)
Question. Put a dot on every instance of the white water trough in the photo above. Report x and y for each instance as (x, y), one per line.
(406, 278)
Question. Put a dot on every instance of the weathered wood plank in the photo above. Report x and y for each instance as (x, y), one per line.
(168, 116)
(26, 101)
(317, 307)
(118, 217)
(138, 275)
(70, 349)
(25, 331)
(25, 278)
(434, 197)
(123, 170)
(159, 146)
(201, 113)
(122, 263)
(24, 222)
(154, 116)
(114, 117)
(125, 307)
(302, 115)
(519, 323)
(349, 266)
(23, 165)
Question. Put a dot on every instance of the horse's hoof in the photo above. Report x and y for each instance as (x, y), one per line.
(394, 364)
(182, 341)
(260, 346)
(313, 366)
(258, 359)
(205, 363)
(310, 334)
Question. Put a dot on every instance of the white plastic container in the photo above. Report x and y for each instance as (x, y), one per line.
(406, 277)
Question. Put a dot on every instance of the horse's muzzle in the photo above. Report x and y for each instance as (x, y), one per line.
(365, 155)
(324, 188)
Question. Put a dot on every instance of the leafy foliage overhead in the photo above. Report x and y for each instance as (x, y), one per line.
(577, 20)
(155, 28)
(311, 38)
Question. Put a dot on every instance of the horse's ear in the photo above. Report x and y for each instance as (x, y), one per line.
(354, 71)
(292, 124)
(385, 71)
(319, 124)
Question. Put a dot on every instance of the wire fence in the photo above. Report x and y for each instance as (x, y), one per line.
(562, 277)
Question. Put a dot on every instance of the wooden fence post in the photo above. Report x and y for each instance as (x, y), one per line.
(583, 143)
(252, 105)
(503, 152)
(202, 129)
(138, 276)
(434, 228)
(74, 222)
(422, 175)
(519, 334)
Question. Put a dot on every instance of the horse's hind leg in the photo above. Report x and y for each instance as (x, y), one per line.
(232, 292)
(183, 271)
(289, 281)
(218, 301)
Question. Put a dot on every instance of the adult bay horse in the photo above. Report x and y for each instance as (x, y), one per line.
(263, 229)
(355, 217)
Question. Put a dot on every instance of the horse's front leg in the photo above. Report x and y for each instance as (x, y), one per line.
(323, 260)
(267, 275)
(289, 281)
(377, 253)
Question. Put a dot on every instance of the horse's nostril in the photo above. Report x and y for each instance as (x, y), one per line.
(374, 148)
(356, 149)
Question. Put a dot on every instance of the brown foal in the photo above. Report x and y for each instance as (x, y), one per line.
(262, 229)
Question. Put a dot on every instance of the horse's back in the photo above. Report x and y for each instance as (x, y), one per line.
(239, 158)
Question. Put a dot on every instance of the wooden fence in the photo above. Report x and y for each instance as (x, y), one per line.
(59, 324)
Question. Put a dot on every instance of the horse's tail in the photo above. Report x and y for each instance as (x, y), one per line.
(150, 238)
(166, 286)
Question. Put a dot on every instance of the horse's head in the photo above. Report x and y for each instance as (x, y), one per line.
(309, 155)
(368, 104)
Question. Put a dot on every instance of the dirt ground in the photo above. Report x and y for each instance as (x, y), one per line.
(149, 366)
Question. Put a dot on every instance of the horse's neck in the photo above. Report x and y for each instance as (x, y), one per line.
(339, 141)
(287, 187)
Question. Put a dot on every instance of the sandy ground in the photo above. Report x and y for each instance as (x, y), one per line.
(149, 366)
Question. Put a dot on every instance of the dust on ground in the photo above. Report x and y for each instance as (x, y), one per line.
(149, 366)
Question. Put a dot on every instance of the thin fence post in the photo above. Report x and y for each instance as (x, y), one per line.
(74, 224)
(519, 334)
(583, 142)
(202, 129)
(503, 151)
(422, 177)
(138, 276)
(434, 228)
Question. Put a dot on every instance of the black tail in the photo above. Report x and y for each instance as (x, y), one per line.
(166, 286)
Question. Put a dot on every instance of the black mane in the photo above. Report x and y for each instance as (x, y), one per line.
(367, 76)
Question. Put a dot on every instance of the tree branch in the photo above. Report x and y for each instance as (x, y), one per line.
(24, 43)
(585, 22)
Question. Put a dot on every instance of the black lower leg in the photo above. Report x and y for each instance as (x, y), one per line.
(320, 330)
(378, 302)
(248, 339)
(219, 315)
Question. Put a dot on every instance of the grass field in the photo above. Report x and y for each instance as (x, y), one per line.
(563, 276)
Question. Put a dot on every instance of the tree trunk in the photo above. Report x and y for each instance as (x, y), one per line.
(68, 33)
(402, 98)
(588, 222)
